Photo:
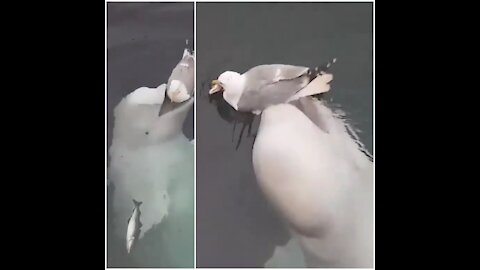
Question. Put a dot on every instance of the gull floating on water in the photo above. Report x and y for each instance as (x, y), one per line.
(180, 84)
(267, 85)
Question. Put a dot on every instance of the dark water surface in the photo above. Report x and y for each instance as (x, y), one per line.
(235, 225)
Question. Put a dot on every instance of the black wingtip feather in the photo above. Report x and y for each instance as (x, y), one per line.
(318, 70)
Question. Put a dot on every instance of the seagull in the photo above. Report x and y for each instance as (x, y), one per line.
(266, 85)
(180, 83)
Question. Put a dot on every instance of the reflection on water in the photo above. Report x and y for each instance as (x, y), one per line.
(229, 114)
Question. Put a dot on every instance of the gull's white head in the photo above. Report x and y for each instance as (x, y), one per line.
(227, 81)
(232, 84)
(229, 78)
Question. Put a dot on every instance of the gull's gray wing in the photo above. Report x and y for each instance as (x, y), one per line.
(184, 72)
(276, 72)
(271, 84)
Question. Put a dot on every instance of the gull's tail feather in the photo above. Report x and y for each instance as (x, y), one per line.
(317, 86)
(188, 50)
(136, 203)
(319, 81)
(320, 70)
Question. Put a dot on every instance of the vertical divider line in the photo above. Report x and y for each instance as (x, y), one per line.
(195, 138)
(373, 147)
(106, 139)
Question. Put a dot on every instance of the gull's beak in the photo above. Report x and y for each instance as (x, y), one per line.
(215, 87)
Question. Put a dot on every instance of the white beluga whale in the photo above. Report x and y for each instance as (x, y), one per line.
(134, 225)
(313, 172)
(152, 159)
